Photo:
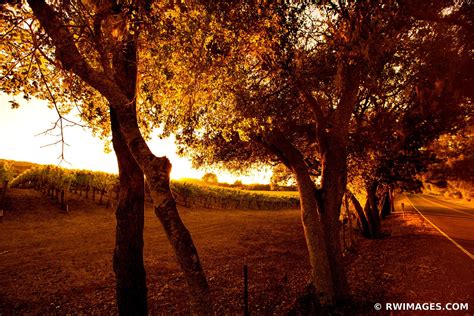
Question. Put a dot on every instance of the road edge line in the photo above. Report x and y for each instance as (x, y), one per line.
(442, 232)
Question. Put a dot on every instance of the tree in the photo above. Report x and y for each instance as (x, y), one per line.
(6, 171)
(395, 122)
(92, 48)
(210, 178)
(452, 169)
(293, 98)
(281, 176)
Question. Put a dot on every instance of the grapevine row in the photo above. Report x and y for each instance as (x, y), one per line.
(208, 196)
(58, 182)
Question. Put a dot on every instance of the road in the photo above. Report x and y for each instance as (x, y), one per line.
(454, 221)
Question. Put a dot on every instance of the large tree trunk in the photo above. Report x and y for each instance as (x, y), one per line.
(321, 267)
(119, 88)
(128, 254)
(333, 188)
(332, 136)
(157, 171)
(312, 223)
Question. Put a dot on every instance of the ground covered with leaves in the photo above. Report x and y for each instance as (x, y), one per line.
(51, 262)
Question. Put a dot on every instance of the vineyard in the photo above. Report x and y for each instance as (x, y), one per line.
(192, 194)
(58, 183)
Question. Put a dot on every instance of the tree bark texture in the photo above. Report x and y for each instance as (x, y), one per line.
(312, 223)
(322, 270)
(333, 188)
(332, 137)
(128, 263)
(157, 171)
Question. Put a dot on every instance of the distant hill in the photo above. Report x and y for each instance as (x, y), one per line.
(20, 166)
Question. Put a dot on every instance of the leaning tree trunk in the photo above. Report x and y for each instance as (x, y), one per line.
(311, 218)
(157, 172)
(372, 210)
(119, 86)
(361, 218)
(128, 254)
(386, 205)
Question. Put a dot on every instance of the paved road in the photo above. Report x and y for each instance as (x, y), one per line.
(455, 221)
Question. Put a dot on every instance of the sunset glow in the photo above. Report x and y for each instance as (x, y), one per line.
(22, 140)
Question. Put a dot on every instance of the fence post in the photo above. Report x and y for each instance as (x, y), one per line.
(63, 199)
(2, 199)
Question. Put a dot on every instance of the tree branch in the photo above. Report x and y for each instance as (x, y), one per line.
(69, 55)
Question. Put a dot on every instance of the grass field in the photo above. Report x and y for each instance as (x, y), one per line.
(61, 263)
(53, 263)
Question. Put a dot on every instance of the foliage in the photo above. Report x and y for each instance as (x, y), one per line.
(29, 68)
(59, 178)
(452, 173)
(406, 97)
(194, 190)
(6, 171)
(210, 178)
(455, 154)
(281, 176)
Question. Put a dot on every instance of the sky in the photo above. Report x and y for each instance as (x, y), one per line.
(21, 140)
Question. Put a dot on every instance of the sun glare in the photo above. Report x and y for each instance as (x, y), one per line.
(23, 139)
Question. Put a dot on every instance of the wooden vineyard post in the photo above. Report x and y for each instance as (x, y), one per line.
(3, 198)
(246, 292)
(109, 204)
(63, 197)
(68, 191)
(102, 192)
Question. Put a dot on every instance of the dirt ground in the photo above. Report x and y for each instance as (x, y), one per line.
(55, 263)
